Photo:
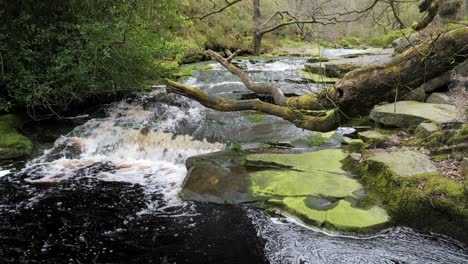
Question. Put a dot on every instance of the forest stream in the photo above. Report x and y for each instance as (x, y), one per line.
(108, 191)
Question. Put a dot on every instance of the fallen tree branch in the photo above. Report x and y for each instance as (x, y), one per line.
(311, 120)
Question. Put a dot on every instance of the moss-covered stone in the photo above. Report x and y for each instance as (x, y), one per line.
(308, 185)
(354, 145)
(440, 138)
(427, 201)
(342, 216)
(412, 113)
(374, 138)
(315, 175)
(403, 163)
(12, 143)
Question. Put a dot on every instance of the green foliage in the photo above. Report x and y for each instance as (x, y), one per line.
(387, 39)
(58, 53)
(350, 42)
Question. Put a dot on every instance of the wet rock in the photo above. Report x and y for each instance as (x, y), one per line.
(437, 82)
(315, 190)
(438, 98)
(404, 163)
(66, 147)
(411, 113)
(12, 143)
(354, 145)
(311, 185)
(315, 68)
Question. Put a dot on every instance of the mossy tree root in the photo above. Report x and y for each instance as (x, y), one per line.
(311, 120)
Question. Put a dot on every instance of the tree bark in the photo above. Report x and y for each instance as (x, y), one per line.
(355, 94)
(257, 36)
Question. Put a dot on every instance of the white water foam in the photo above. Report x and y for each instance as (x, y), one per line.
(4, 172)
(132, 141)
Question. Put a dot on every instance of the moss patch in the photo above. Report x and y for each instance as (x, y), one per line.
(428, 201)
(12, 143)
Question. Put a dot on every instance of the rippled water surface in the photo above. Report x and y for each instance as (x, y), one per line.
(107, 192)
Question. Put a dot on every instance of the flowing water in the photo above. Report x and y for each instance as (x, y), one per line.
(107, 192)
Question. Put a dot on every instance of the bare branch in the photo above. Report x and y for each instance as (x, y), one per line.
(219, 10)
(258, 88)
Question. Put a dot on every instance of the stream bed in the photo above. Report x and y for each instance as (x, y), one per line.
(108, 191)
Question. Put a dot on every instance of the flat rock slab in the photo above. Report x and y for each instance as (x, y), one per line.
(310, 185)
(404, 163)
(411, 113)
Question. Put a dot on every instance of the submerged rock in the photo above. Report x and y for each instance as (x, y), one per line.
(310, 185)
(411, 113)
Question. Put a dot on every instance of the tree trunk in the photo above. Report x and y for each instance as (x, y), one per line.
(355, 94)
(257, 43)
(257, 36)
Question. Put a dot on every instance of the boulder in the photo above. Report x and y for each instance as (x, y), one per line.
(438, 98)
(374, 138)
(418, 94)
(403, 163)
(425, 129)
(411, 113)
(437, 82)
(461, 69)
(310, 185)
(210, 178)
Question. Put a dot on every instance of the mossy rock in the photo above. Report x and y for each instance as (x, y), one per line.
(12, 143)
(427, 201)
(317, 78)
(313, 175)
(300, 183)
(439, 138)
(341, 216)
(411, 113)
(354, 145)
(374, 138)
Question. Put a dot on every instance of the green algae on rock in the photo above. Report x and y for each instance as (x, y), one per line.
(300, 183)
(425, 201)
(12, 143)
(412, 113)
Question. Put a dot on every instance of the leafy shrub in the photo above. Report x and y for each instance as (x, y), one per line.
(56, 54)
